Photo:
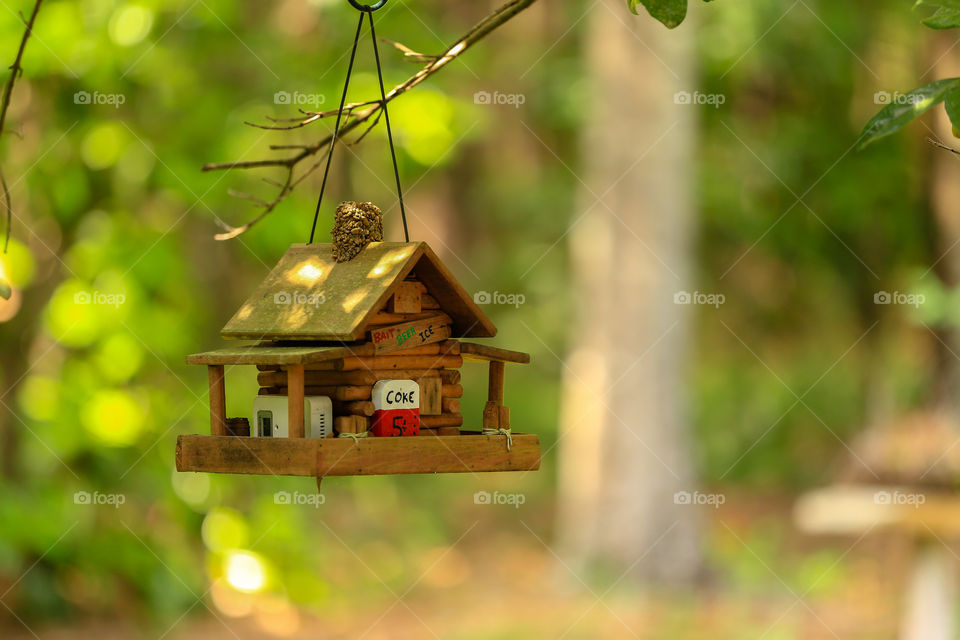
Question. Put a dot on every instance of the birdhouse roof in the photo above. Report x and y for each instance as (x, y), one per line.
(309, 296)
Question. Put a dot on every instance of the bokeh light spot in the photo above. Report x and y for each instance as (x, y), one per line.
(103, 145)
(130, 24)
(113, 417)
(244, 572)
(224, 529)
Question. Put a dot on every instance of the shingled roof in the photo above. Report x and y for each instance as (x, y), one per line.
(309, 296)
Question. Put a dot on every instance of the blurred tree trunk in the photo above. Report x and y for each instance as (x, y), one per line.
(931, 596)
(944, 194)
(626, 448)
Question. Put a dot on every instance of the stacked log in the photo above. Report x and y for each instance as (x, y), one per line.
(349, 383)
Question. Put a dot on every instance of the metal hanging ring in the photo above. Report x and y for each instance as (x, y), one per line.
(369, 8)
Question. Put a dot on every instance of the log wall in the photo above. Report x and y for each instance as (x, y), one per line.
(349, 383)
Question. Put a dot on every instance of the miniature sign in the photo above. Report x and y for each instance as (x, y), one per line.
(396, 408)
(410, 334)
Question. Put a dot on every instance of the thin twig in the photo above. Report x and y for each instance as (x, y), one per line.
(247, 196)
(359, 116)
(369, 129)
(299, 122)
(409, 53)
(15, 71)
(9, 206)
(943, 146)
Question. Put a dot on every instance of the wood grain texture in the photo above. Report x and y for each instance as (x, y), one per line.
(449, 376)
(491, 415)
(451, 391)
(392, 317)
(342, 393)
(430, 399)
(345, 292)
(356, 408)
(474, 351)
(505, 418)
(350, 424)
(405, 298)
(392, 361)
(272, 355)
(406, 335)
(355, 378)
(442, 420)
(453, 298)
(218, 400)
(295, 392)
(495, 382)
(412, 278)
(448, 347)
(309, 296)
(439, 431)
(367, 456)
(260, 456)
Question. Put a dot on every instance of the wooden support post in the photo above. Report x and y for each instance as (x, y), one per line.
(495, 386)
(295, 400)
(491, 416)
(495, 415)
(218, 400)
(504, 418)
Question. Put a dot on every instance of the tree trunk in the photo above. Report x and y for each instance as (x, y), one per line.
(625, 447)
(931, 595)
(944, 194)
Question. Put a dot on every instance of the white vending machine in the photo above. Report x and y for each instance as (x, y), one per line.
(271, 419)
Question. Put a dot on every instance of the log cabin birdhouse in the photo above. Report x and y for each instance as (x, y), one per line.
(358, 365)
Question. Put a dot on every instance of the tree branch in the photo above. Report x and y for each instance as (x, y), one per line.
(358, 116)
(15, 71)
(943, 146)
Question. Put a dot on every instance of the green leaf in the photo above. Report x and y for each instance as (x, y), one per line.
(949, 4)
(5, 290)
(944, 18)
(670, 12)
(904, 108)
(952, 104)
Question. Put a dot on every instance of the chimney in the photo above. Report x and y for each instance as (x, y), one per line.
(355, 225)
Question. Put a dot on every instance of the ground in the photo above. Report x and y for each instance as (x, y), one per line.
(765, 581)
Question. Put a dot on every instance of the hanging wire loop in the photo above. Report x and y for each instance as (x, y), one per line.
(336, 127)
(369, 8)
(386, 119)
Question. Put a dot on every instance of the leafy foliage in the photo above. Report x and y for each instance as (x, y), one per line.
(905, 107)
(118, 277)
(898, 114)
(670, 12)
(946, 16)
(861, 225)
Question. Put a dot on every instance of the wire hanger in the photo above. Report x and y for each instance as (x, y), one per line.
(365, 10)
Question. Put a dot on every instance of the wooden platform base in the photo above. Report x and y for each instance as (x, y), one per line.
(320, 458)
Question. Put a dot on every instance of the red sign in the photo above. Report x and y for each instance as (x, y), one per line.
(396, 422)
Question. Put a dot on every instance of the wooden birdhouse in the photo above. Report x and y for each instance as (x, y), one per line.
(358, 364)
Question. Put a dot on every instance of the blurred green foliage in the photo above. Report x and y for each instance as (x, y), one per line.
(793, 218)
(112, 205)
(119, 278)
